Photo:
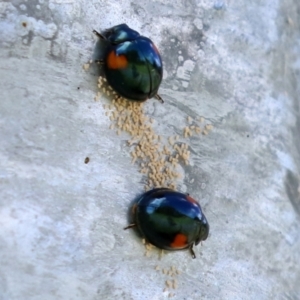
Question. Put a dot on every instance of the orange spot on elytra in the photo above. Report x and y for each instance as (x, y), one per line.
(192, 200)
(116, 61)
(179, 241)
(155, 48)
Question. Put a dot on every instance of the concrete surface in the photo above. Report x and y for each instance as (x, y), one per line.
(236, 63)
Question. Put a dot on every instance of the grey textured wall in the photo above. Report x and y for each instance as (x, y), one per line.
(236, 63)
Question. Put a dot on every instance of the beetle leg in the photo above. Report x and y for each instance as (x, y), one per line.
(159, 98)
(99, 61)
(99, 35)
(130, 226)
(192, 251)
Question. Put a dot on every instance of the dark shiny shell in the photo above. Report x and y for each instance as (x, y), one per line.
(170, 220)
(132, 63)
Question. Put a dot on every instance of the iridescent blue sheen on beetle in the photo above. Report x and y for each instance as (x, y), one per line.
(132, 63)
(170, 220)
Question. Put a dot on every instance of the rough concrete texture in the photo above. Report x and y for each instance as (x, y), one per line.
(236, 63)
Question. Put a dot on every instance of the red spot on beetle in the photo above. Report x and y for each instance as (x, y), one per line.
(116, 61)
(179, 241)
(192, 200)
(155, 48)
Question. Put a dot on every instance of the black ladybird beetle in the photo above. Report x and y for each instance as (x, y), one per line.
(132, 63)
(170, 220)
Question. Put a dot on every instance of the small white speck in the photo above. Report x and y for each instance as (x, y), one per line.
(38, 6)
(200, 53)
(23, 7)
(198, 23)
(180, 58)
(185, 84)
(218, 5)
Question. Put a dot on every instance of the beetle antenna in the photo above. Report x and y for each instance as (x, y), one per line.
(130, 226)
(159, 98)
(99, 35)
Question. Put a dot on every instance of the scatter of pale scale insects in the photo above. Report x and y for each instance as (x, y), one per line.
(158, 157)
(196, 128)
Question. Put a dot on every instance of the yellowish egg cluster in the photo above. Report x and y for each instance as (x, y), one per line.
(171, 282)
(158, 159)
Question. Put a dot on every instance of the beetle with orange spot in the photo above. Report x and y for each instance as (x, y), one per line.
(132, 63)
(170, 220)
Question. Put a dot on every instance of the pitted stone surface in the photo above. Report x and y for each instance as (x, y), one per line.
(61, 221)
